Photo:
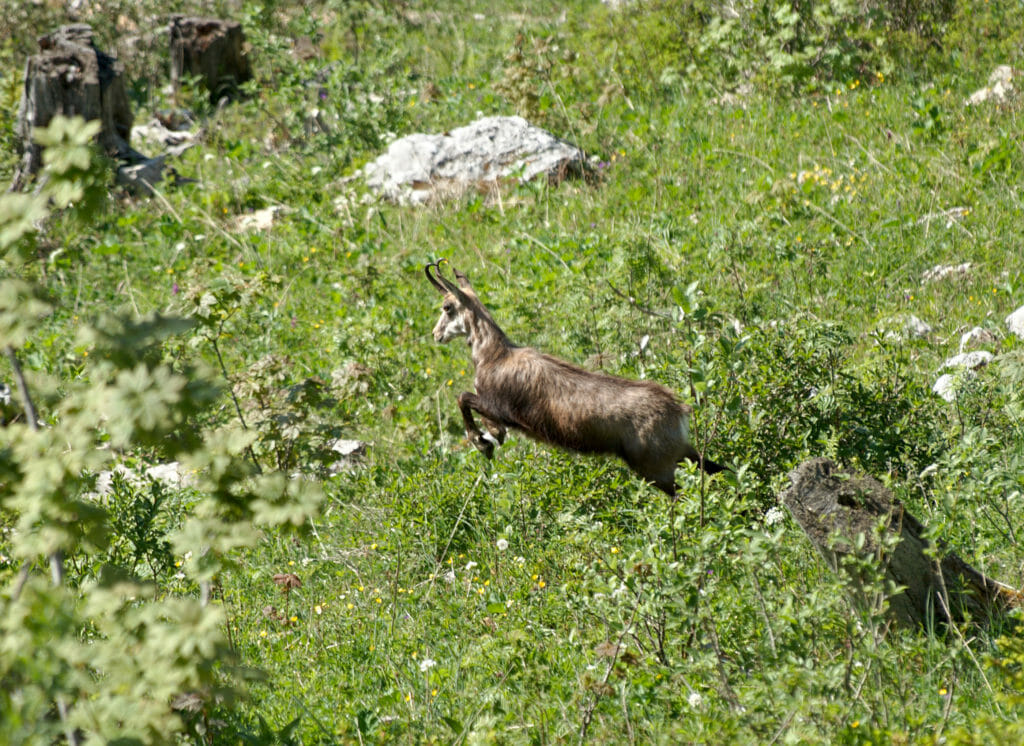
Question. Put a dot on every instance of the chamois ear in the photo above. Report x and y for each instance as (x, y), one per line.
(462, 280)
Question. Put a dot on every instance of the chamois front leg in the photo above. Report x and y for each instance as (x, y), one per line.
(469, 402)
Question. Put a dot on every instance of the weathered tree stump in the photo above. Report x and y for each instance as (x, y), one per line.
(211, 49)
(835, 508)
(71, 76)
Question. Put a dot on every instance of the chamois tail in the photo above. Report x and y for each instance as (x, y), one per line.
(709, 466)
(713, 467)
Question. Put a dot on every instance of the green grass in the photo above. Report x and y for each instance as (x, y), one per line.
(802, 219)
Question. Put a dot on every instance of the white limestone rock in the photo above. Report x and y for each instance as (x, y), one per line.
(976, 337)
(170, 474)
(1015, 322)
(968, 360)
(351, 452)
(258, 220)
(155, 135)
(422, 168)
(946, 387)
(916, 328)
(1003, 85)
(942, 271)
(901, 328)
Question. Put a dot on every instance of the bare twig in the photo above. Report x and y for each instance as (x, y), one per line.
(754, 158)
(588, 714)
(231, 390)
(727, 693)
(841, 224)
(455, 528)
(632, 301)
(764, 612)
(57, 558)
(784, 726)
(26, 397)
(534, 239)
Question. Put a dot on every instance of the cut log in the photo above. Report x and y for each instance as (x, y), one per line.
(212, 49)
(841, 512)
(71, 76)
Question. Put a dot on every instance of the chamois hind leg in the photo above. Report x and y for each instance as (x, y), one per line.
(663, 477)
(469, 402)
(660, 472)
(666, 483)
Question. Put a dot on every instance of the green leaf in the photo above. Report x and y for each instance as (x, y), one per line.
(18, 215)
(74, 131)
(22, 305)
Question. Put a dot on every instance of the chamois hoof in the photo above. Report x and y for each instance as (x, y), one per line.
(485, 443)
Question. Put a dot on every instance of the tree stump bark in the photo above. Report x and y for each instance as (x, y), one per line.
(836, 508)
(211, 49)
(71, 76)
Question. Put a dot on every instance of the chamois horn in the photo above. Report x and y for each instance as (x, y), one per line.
(436, 280)
(442, 284)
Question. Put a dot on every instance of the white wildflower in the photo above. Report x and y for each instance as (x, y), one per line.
(694, 700)
(426, 664)
(773, 516)
(502, 545)
(470, 565)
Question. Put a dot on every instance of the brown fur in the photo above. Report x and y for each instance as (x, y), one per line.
(558, 403)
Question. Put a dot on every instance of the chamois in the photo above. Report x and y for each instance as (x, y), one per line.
(555, 402)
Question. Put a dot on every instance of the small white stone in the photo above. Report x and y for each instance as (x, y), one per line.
(916, 328)
(945, 387)
(942, 271)
(1015, 322)
(969, 360)
(976, 336)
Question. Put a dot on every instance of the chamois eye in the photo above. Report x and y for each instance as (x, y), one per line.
(449, 308)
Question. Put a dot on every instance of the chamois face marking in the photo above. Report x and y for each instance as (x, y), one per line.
(452, 322)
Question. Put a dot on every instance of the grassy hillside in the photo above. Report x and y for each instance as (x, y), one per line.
(770, 247)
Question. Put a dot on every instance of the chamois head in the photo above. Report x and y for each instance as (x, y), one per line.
(458, 304)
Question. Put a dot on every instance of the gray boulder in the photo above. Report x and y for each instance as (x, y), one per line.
(1003, 85)
(422, 168)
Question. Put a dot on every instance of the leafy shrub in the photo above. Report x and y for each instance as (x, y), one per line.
(795, 44)
(802, 398)
(98, 647)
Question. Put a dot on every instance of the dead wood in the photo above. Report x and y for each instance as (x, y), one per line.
(835, 507)
(70, 76)
(212, 49)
